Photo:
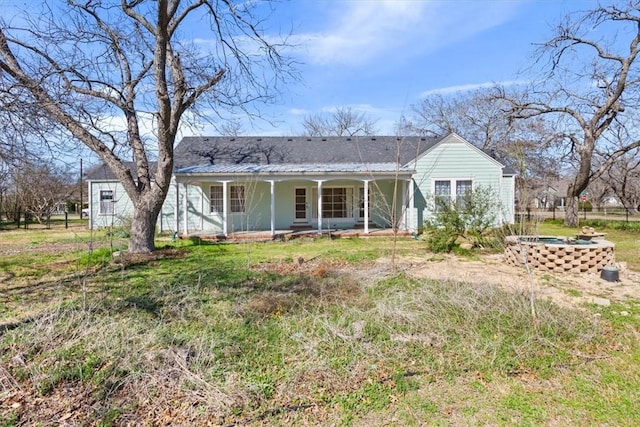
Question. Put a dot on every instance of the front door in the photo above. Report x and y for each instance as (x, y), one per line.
(300, 214)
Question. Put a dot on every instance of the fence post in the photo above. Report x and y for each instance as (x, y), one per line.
(26, 220)
(66, 220)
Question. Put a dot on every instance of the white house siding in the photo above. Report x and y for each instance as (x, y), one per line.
(452, 159)
(167, 218)
(508, 199)
(123, 208)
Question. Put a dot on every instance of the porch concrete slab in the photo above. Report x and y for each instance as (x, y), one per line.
(293, 234)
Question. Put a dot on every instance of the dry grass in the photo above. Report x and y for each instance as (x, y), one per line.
(249, 335)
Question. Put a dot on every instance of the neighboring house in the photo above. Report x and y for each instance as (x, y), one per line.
(225, 185)
(549, 195)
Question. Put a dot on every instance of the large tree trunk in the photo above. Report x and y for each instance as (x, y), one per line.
(143, 229)
(580, 183)
(571, 213)
(143, 225)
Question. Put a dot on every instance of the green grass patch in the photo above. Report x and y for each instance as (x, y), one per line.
(241, 333)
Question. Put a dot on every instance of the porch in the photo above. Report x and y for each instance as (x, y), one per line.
(291, 234)
(274, 206)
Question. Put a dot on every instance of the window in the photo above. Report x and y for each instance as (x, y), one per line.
(462, 189)
(107, 202)
(216, 199)
(442, 194)
(336, 202)
(237, 198)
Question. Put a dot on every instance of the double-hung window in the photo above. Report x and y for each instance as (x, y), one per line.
(237, 199)
(216, 201)
(107, 202)
(337, 202)
(463, 188)
(447, 191)
(442, 194)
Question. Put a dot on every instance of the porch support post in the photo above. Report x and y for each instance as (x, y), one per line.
(411, 225)
(176, 209)
(201, 207)
(273, 208)
(185, 224)
(225, 209)
(405, 208)
(90, 206)
(366, 206)
(319, 207)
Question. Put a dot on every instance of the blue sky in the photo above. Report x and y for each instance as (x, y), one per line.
(381, 57)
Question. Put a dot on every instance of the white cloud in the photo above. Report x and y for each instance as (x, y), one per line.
(470, 87)
(359, 32)
(298, 111)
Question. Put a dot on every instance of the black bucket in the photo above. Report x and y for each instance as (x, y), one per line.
(610, 274)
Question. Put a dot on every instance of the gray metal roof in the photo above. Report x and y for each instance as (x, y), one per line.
(305, 168)
(192, 150)
(292, 154)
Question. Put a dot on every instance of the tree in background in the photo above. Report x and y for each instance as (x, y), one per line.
(590, 80)
(104, 72)
(623, 178)
(40, 189)
(343, 121)
(484, 120)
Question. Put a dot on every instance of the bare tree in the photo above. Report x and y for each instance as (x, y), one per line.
(344, 121)
(484, 120)
(232, 127)
(623, 178)
(105, 71)
(41, 188)
(598, 191)
(590, 76)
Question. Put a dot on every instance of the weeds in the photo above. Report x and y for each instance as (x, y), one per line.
(191, 335)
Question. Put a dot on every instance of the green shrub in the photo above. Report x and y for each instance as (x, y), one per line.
(469, 217)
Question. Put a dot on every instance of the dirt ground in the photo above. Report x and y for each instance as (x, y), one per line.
(74, 402)
(568, 289)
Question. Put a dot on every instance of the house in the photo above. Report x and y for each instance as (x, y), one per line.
(227, 185)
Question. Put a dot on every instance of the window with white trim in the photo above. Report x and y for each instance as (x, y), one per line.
(216, 200)
(337, 202)
(447, 191)
(463, 187)
(107, 202)
(237, 198)
(442, 194)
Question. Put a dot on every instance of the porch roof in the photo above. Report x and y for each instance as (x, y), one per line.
(296, 169)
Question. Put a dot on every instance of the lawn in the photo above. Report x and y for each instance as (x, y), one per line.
(305, 332)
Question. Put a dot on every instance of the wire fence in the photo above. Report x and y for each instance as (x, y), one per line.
(25, 220)
(610, 214)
